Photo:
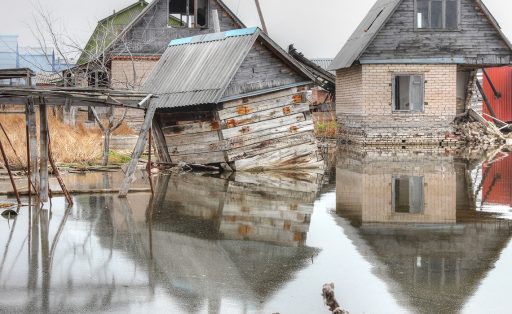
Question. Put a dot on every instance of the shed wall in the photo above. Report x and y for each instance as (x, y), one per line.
(502, 80)
(374, 122)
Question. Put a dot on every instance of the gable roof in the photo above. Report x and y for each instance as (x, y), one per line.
(372, 24)
(152, 5)
(198, 70)
(107, 29)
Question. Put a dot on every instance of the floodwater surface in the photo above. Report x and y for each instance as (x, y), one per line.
(395, 233)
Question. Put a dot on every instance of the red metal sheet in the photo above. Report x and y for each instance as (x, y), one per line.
(497, 188)
(502, 79)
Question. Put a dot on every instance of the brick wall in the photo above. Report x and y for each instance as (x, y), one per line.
(364, 105)
(122, 75)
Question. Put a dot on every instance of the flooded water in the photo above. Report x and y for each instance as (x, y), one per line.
(396, 233)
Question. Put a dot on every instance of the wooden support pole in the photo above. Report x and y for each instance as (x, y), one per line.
(28, 155)
(139, 147)
(160, 143)
(494, 90)
(6, 163)
(487, 103)
(32, 144)
(262, 19)
(150, 165)
(57, 173)
(43, 142)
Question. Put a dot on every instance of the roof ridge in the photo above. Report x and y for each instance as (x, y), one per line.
(214, 36)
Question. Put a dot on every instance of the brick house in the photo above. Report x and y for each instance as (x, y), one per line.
(409, 67)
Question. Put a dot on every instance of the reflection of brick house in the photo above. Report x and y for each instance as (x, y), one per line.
(401, 72)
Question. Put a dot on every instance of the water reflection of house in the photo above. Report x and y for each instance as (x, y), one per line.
(400, 189)
(434, 260)
(238, 237)
(274, 208)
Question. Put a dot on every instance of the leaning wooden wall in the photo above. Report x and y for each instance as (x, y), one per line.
(192, 134)
(272, 131)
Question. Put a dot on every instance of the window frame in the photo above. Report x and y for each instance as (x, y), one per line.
(421, 210)
(194, 14)
(393, 93)
(456, 29)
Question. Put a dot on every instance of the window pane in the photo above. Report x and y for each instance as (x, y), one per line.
(202, 13)
(416, 93)
(408, 195)
(452, 14)
(422, 14)
(436, 14)
(402, 91)
(402, 195)
(416, 188)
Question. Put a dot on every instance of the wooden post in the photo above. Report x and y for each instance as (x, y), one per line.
(487, 103)
(494, 90)
(150, 166)
(43, 142)
(216, 21)
(160, 143)
(260, 14)
(6, 163)
(57, 173)
(32, 144)
(139, 147)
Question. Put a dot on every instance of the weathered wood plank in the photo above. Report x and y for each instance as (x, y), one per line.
(266, 135)
(247, 108)
(265, 115)
(260, 126)
(194, 138)
(195, 148)
(295, 157)
(191, 128)
(263, 98)
(201, 158)
(270, 145)
(43, 148)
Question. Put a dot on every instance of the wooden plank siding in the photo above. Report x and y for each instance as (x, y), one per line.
(476, 41)
(274, 130)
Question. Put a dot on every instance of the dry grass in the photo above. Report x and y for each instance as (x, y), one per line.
(325, 124)
(69, 145)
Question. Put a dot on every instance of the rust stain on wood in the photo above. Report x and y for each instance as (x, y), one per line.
(245, 130)
(298, 236)
(242, 110)
(215, 125)
(297, 98)
(231, 123)
(245, 230)
(287, 111)
(294, 129)
(287, 225)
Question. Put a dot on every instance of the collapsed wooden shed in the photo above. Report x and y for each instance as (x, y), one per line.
(233, 97)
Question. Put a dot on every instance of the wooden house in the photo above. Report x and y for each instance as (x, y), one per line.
(409, 68)
(233, 97)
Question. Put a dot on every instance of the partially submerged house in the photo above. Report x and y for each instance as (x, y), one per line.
(409, 67)
(233, 97)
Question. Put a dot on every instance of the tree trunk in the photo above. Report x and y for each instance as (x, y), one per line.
(106, 147)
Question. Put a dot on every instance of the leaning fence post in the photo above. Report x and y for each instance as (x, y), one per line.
(43, 163)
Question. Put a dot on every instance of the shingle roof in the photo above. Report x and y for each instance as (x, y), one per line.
(197, 70)
(376, 18)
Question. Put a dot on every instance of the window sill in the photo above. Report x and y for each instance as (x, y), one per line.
(437, 30)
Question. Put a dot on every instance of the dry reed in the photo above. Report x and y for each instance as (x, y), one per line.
(69, 144)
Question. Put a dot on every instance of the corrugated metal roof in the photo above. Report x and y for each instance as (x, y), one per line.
(323, 62)
(197, 70)
(364, 33)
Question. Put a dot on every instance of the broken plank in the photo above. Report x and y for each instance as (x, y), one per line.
(181, 139)
(191, 128)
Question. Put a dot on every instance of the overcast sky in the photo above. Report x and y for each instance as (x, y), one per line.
(319, 28)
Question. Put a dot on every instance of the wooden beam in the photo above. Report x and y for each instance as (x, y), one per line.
(260, 14)
(497, 94)
(137, 151)
(43, 147)
(160, 143)
(6, 164)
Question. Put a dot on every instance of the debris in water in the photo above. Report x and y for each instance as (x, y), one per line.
(330, 300)
(8, 213)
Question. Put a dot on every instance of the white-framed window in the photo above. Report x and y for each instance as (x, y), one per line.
(408, 194)
(408, 92)
(188, 13)
(437, 14)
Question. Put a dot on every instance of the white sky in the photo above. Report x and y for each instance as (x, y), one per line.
(319, 28)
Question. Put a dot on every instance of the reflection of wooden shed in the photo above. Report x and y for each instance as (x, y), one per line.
(234, 97)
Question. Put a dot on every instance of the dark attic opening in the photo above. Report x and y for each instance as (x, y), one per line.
(188, 13)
